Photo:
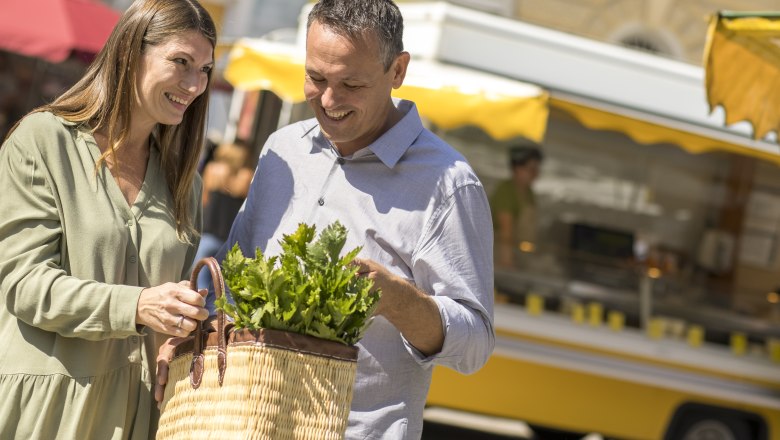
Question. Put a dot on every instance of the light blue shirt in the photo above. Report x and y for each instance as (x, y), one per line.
(415, 206)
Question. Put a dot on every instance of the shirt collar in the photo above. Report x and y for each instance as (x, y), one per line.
(393, 143)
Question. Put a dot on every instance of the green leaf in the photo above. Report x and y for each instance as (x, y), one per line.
(309, 288)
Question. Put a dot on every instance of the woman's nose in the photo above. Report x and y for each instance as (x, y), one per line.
(194, 83)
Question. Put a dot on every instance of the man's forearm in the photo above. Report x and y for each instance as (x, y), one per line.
(416, 315)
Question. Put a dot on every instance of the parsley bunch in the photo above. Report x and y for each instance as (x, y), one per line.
(312, 291)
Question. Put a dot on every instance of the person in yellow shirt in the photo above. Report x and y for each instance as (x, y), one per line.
(513, 204)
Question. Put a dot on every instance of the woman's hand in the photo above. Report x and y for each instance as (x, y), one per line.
(165, 356)
(171, 308)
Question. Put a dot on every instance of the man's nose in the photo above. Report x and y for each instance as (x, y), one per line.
(330, 97)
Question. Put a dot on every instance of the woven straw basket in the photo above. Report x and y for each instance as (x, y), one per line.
(264, 384)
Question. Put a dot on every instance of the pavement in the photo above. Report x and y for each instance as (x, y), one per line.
(447, 424)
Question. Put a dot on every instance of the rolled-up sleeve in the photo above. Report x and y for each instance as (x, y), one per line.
(454, 263)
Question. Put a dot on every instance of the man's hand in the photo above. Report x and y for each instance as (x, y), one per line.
(413, 312)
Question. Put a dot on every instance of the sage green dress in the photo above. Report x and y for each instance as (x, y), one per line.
(74, 258)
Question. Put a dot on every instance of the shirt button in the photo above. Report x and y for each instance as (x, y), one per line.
(321, 201)
(132, 259)
(340, 160)
(129, 223)
(134, 339)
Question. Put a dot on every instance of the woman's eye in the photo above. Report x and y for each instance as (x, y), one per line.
(206, 69)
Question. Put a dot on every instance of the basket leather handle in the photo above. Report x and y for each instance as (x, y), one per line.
(196, 368)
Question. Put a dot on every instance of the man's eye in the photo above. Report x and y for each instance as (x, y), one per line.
(352, 86)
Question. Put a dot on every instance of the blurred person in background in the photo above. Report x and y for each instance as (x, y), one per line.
(513, 205)
(226, 179)
(101, 214)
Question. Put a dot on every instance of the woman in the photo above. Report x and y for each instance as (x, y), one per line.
(100, 203)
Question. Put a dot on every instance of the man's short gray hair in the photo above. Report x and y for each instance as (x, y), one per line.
(355, 18)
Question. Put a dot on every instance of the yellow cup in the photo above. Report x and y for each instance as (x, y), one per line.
(616, 320)
(578, 313)
(595, 314)
(656, 328)
(738, 343)
(773, 347)
(695, 335)
(534, 304)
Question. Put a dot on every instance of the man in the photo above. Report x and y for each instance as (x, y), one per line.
(410, 200)
(514, 204)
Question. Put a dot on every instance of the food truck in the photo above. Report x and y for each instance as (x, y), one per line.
(648, 304)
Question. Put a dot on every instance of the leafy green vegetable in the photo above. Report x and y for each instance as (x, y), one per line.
(308, 289)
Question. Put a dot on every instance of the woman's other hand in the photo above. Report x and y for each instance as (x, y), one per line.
(164, 358)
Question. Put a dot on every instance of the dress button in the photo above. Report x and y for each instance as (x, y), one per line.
(340, 160)
(321, 201)
(132, 259)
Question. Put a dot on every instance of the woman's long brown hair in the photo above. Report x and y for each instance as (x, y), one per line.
(104, 96)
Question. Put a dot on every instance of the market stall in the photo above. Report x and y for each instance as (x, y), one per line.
(447, 95)
(742, 64)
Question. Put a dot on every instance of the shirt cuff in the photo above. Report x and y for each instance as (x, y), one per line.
(447, 311)
(123, 311)
(468, 338)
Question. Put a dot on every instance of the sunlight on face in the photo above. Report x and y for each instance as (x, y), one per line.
(348, 88)
(170, 76)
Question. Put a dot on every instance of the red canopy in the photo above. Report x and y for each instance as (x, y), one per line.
(52, 29)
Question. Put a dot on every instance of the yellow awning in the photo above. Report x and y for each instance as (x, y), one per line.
(742, 64)
(448, 96)
(643, 130)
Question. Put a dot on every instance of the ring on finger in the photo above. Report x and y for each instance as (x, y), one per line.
(180, 321)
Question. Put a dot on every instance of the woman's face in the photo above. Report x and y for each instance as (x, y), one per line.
(170, 76)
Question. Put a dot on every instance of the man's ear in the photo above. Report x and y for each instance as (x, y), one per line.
(399, 68)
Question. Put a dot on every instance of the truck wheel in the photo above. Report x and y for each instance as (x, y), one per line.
(541, 433)
(702, 428)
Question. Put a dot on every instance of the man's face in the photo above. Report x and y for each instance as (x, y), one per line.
(524, 175)
(348, 88)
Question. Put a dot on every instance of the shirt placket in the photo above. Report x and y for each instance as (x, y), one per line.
(324, 194)
(132, 263)
(131, 252)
